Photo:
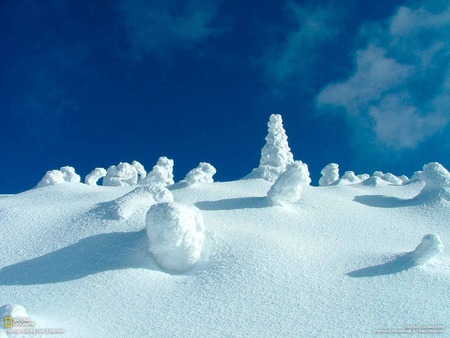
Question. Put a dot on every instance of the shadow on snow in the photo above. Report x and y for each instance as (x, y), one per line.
(234, 203)
(399, 264)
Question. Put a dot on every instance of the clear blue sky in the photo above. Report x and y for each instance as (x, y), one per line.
(94, 83)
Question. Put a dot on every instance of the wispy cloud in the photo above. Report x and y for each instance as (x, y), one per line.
(159, 26)
(312, 26)
(399, 88)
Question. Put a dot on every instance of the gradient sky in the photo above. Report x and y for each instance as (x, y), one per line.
(90, 84)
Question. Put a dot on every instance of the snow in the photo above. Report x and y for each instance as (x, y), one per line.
(329, 265)
(430, 247)
(140, 169)
(330, 174)
(162, 173)
(287, 188)
(437, 182)
(122, 175)
(349, 177)
(65, 174)
(202, 174)
(276, 154)
(175, 234)
(93, 177)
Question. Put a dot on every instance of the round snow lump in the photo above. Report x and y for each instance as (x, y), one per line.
(175, 234)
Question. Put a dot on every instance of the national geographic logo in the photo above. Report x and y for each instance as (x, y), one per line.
(11, 322)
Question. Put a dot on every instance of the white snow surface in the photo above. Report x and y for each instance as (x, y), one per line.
(93, 177)
(276, 153)
(324, 267)
(202, 174)
(175, 234)
(287, 188)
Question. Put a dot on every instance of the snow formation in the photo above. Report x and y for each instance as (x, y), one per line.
(140, 169)
(276, 154)
(93, 177)
(287, 188)
(63, 175)
(162, 173)
(429, 247)
(416, 177)
(175, 234)
(122, 175)
(437, 182)
(349, 177)
(141, 198)
(202, 174)
(330, 174)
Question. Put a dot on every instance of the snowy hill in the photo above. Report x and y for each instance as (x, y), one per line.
(334, 264)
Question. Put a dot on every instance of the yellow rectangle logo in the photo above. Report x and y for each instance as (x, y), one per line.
(9, 322)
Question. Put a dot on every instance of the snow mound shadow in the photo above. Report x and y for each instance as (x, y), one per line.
(91, 255)
(398, 264)
(234, 203)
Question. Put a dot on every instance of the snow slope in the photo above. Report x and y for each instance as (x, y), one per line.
(329, 266)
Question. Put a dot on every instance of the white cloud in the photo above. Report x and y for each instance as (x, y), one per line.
(158, 26)
(312, 27)
(402, 78)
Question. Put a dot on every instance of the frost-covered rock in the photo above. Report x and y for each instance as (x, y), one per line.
(176, 233)
(11, 310)
(276, 154)
(287, 188)
(330, 174)
(93, 177)
(437, 182)
(162, 173)
(349, 177)
(140, 169)
(124, 174)
(141, 198)
(430, 246)
(202, 174)
(63, 175)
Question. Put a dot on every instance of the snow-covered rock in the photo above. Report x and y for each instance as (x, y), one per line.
(162, 173)
(330, 174)
(429, 247)
(202, 174)
(93, 177)
(276, 154)
(437, 182)
(141, 198)
(63, 175)
(124, 174)
(287, 188)
(176, 233)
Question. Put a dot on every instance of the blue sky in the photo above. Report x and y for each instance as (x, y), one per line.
(361, 83)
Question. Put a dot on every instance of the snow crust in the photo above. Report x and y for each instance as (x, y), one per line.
(65, 174)
(202, 174)
(175, 233)
(330, 174)
(161, 173)
(287, 188)
(276, 153)
(93, 177)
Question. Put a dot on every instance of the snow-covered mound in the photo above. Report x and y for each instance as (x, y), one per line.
(287, 188)
(330, 174)
(93, 177)
(63, 175)
(430, 246)
(142, 173)
(374, 181)
(122, 175)
(202, 174)
(161, 173)
(276, 154)
(175, 234)
(141, 198)
(437, 183)
(349, 177)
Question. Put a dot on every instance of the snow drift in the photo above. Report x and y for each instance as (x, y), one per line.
(429, 247)
(287, 188)
(175, 233)
(276, 154)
